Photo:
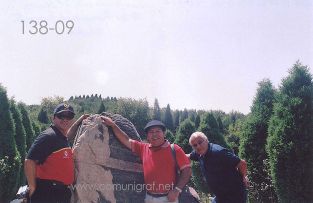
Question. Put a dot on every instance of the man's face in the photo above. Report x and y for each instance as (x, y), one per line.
(199, 144)
(63, 121)
(155, 136)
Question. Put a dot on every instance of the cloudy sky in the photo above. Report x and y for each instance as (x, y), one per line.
(191, 54)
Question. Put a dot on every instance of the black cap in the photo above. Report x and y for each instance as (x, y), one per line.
(63, 107)
(154, 123)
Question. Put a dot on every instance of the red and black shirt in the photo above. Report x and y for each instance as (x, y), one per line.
(53, 155)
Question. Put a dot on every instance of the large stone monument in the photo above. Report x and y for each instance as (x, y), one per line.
(106, 171)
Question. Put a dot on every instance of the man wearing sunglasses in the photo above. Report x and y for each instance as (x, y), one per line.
(49, 166)
(223, 171)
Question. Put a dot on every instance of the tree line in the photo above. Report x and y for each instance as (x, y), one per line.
(275, 138)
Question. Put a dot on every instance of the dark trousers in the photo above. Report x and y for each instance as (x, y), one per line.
(232, 198)
(50, 192)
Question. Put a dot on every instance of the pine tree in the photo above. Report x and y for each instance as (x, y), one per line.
(36, 128)
(176, 119)
(183, 115)
(20, 138)
(220, 124)
(43, 116)
(169, 136)
(156, 111)
(30, 135)
(290, 141)
(197, 121)
(101, 108)
(185, 129)
(209, 127)
(9, 156)
(253, 140)
(168, 118)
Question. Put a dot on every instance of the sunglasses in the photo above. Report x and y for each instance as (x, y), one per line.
(66, 116)
(199, 143)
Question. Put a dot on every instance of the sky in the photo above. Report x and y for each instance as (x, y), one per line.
(192, 54)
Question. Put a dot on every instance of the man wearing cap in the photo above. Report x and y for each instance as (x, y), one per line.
(159, 170)
(49, 166)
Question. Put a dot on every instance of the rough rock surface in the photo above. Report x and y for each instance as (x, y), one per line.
(106, 171)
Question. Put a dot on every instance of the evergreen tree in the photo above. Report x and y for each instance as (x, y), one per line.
(197, 121)
(253, 141)
(168, 118)
(36, 128)
(30, 135)
(185, 129)
(20, 138)
(176, 119)
(183, 115)
(137, 111)
(169, 136)
(209, 127)
(192, 117)
(43, 116)
(49, 103)
(197, 179)
(156, 111)
(290, 141)
(101, 108)
(9, 155)
(220, 125)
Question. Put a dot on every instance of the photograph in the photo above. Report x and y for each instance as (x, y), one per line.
(155, 101)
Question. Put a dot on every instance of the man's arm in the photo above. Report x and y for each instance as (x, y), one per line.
(121, 136)
(242, 168)
(30, 173)
(73, 129)
(184, 177)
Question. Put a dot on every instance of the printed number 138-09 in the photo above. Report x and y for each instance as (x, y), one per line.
(42, 27)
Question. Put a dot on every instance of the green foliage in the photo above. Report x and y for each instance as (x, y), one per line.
(43, 116)
(290, 141)
(220, 124)
(20, 138)
(197, 121)
(176, 116)
(183, 115)
(169, 136)
(210, 128)
(186, 128)
(9, 156)
(30, 135)
(156, 111)
(137, 111)
(101, 108)
(36, 128)
(168, 118)
(253, 141)
(49, 103)
(197, 179)
(231, 118)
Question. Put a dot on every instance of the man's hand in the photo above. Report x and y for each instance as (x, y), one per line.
(82, 117)
(107, 121)
(31, 190)
(173, 195)
(121, 136)
(246, 181)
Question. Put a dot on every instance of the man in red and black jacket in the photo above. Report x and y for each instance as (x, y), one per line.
(49, 165)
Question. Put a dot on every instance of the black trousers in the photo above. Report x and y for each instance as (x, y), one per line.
(50, 192)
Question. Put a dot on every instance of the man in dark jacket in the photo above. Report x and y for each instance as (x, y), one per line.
(224, 172)
(49, 166)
